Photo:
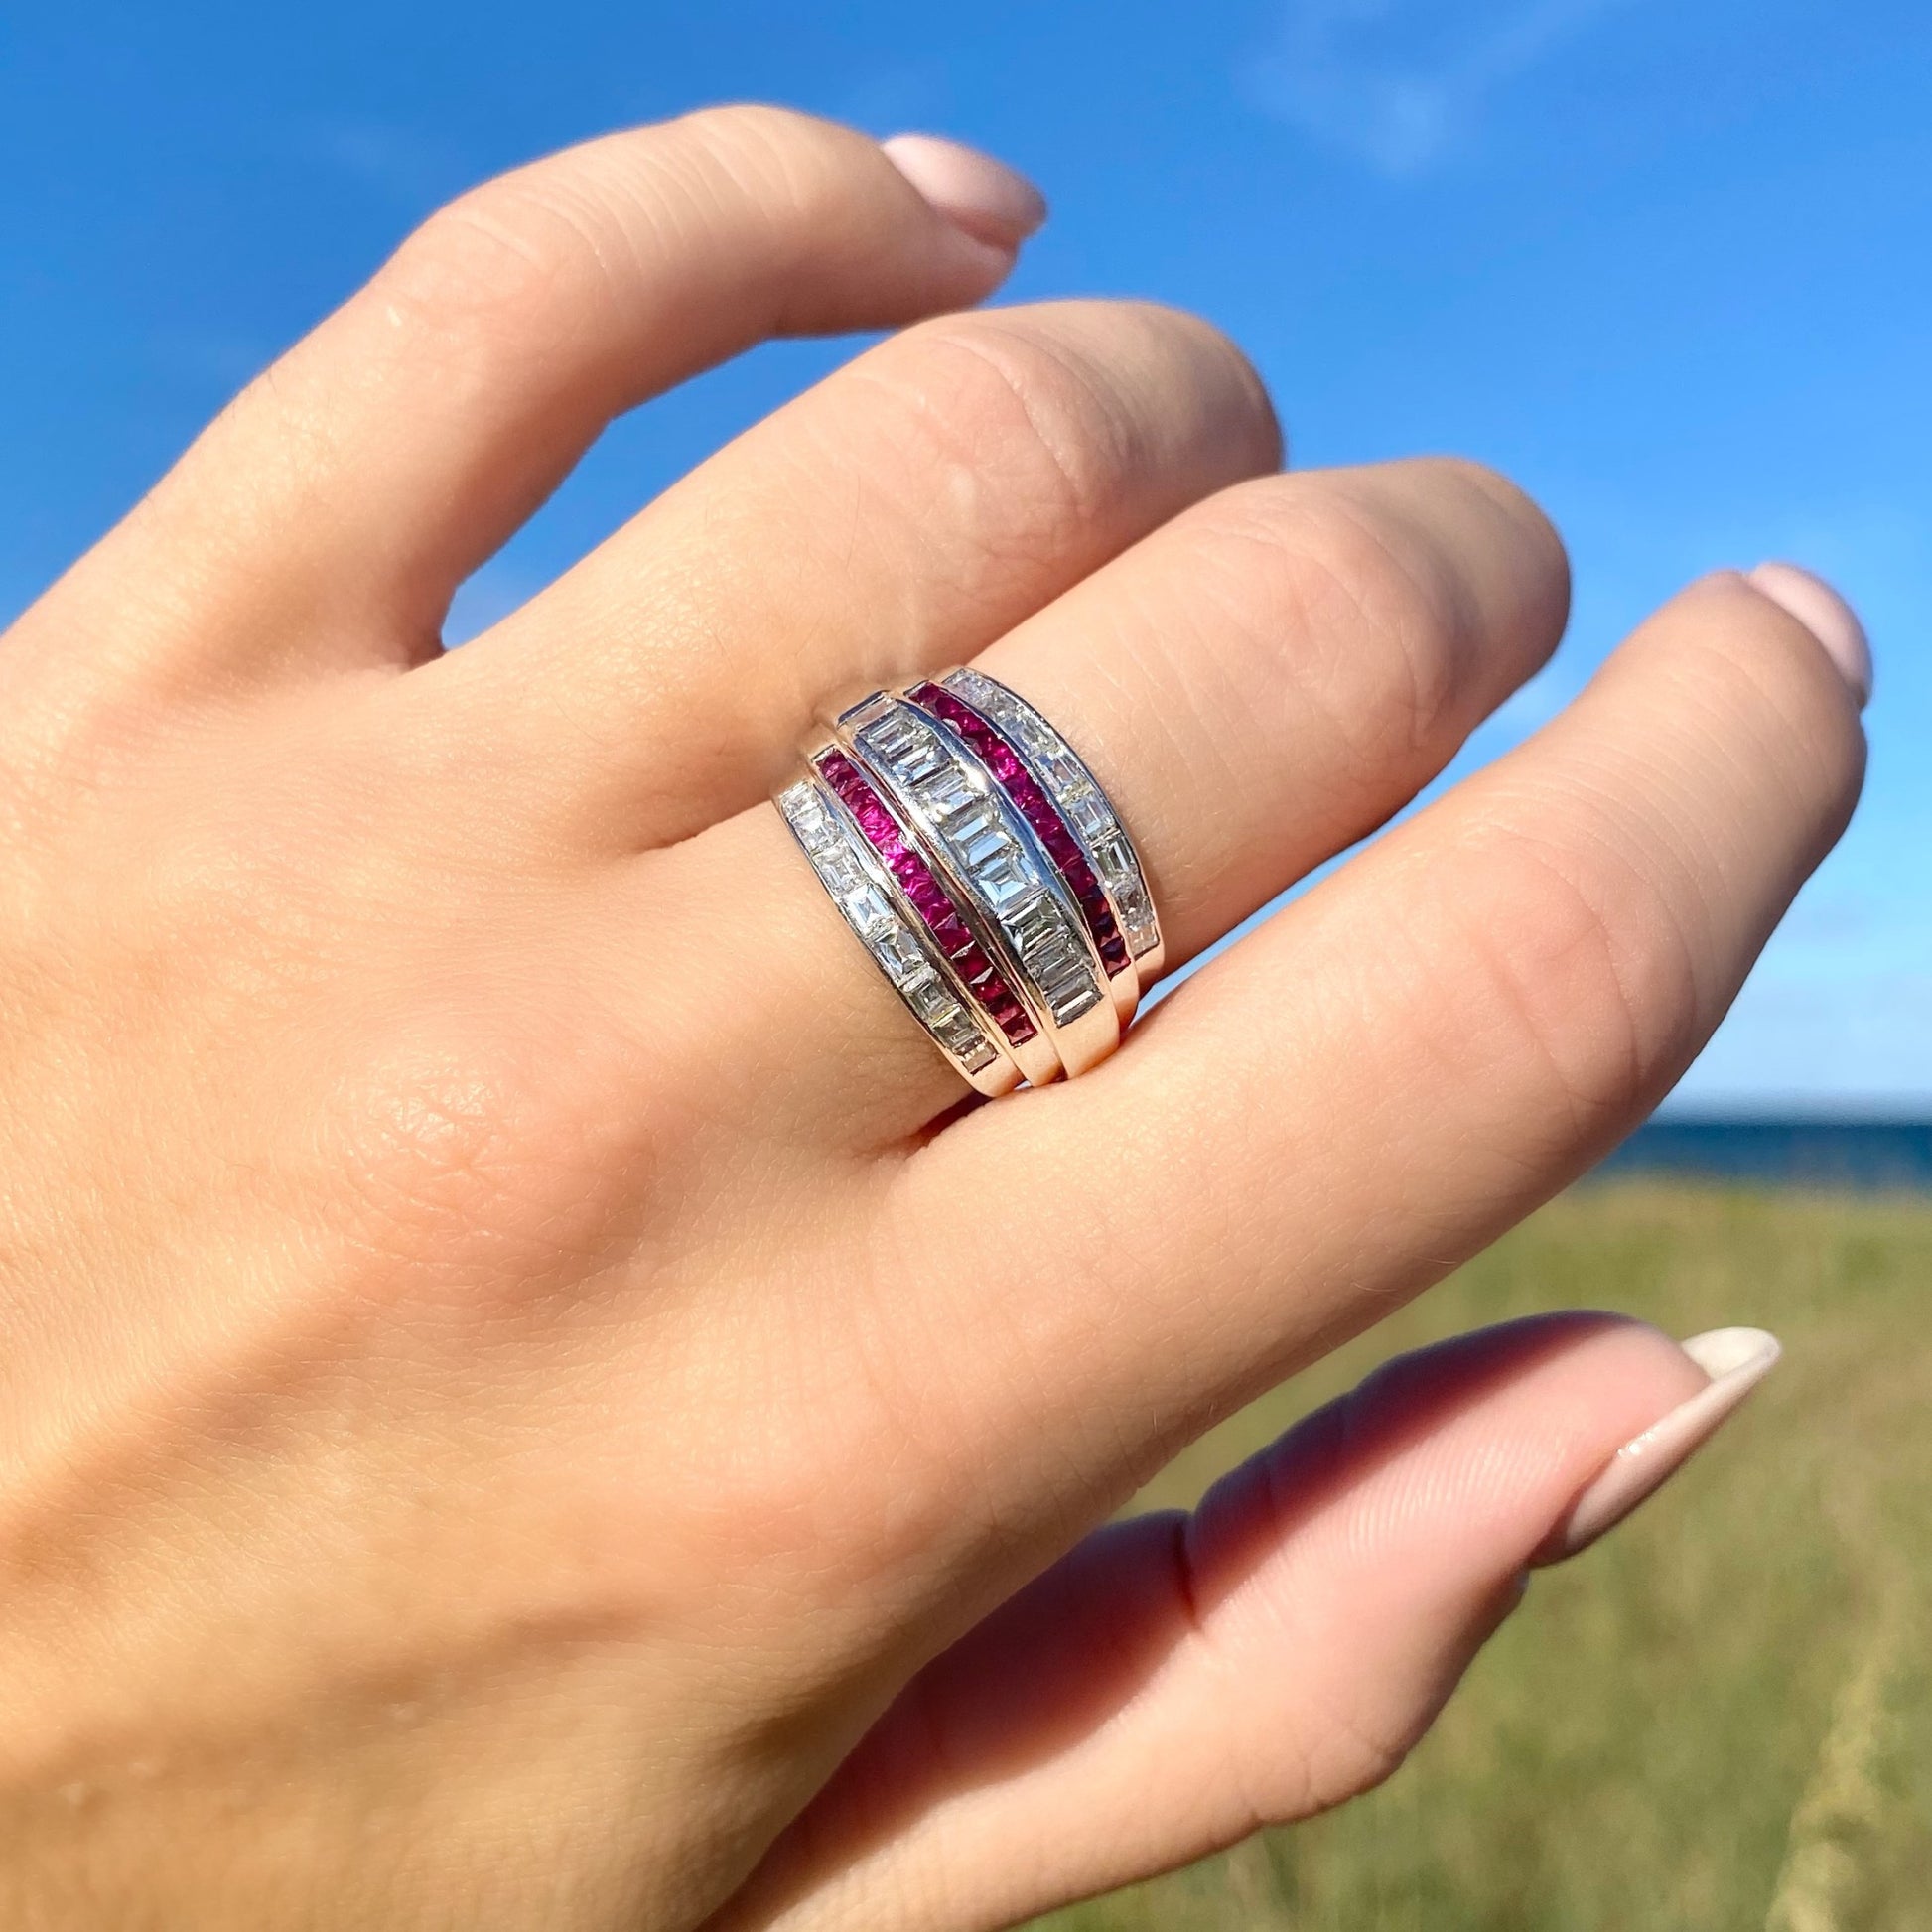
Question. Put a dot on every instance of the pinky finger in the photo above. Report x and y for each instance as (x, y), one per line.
(1179, 1681)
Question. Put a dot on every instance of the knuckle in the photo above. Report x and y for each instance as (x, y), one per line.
(769, 184)
(793, 160)
(1039, 429)
(493, 255)
(1027, 408)
(1368, 622)
(1020, 411)
(1193, 365)
(1574, 963)
(579, 225)
(768, 169)
(478, 1156)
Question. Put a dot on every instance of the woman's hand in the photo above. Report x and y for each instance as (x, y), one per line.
(527, 1400)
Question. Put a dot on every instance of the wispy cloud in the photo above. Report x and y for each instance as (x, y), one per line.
(1397, 84)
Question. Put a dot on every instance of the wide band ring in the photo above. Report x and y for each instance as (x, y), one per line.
(986, 872)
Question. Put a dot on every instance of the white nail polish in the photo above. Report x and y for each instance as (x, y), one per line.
(1826, 616)
(991, 202)
(1736, 1360)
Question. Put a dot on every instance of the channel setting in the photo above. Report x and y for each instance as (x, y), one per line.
(982, 867)
(1064, 774)
(897, 935)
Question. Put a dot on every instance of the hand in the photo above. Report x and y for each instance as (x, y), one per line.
(529, 1400)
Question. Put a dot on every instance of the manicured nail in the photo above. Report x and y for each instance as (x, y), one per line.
(971, 190)
(1736, 1360)
(1826, 615)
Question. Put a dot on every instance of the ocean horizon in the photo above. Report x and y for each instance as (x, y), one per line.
(1821, 1150)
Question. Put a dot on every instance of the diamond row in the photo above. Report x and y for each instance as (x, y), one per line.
(1080, 799)
(1000, 758)
(853, 874)
(990, 848)
(929, 900)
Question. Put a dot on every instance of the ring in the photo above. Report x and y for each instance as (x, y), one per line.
(984, 869)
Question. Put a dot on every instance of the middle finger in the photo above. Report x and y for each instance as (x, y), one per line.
(1255, 686)
(903, 513)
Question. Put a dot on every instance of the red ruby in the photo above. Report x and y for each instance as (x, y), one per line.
(1038, 810)
(930, 898)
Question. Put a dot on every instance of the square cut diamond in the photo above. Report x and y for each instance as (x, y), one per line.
(1036, 737)
(1032, 919)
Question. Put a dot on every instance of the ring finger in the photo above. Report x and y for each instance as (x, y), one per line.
(1257, 685)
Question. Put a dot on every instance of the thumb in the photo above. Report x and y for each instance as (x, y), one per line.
(1177, 1681)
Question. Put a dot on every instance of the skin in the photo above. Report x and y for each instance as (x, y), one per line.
(530, 1397)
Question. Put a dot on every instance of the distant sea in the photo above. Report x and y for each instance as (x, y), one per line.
(1821, 1152)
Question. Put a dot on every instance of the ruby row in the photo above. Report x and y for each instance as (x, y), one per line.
(928, 898)
(1000, 757)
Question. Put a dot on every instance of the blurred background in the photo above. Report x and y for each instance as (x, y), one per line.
(1666, 262)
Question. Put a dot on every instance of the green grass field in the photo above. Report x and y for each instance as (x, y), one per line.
(1721, 1718)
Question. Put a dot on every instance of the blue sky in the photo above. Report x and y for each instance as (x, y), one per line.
(1668, 262)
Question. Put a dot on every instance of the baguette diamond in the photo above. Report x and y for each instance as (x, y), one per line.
(850, 872)
(985, 872)
(1000, 758)
(991, 849)
(930, 898)
(1061, 773)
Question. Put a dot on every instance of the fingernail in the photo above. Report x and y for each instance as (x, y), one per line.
(971, 190)
(1826, 615)
(1736, 1360)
